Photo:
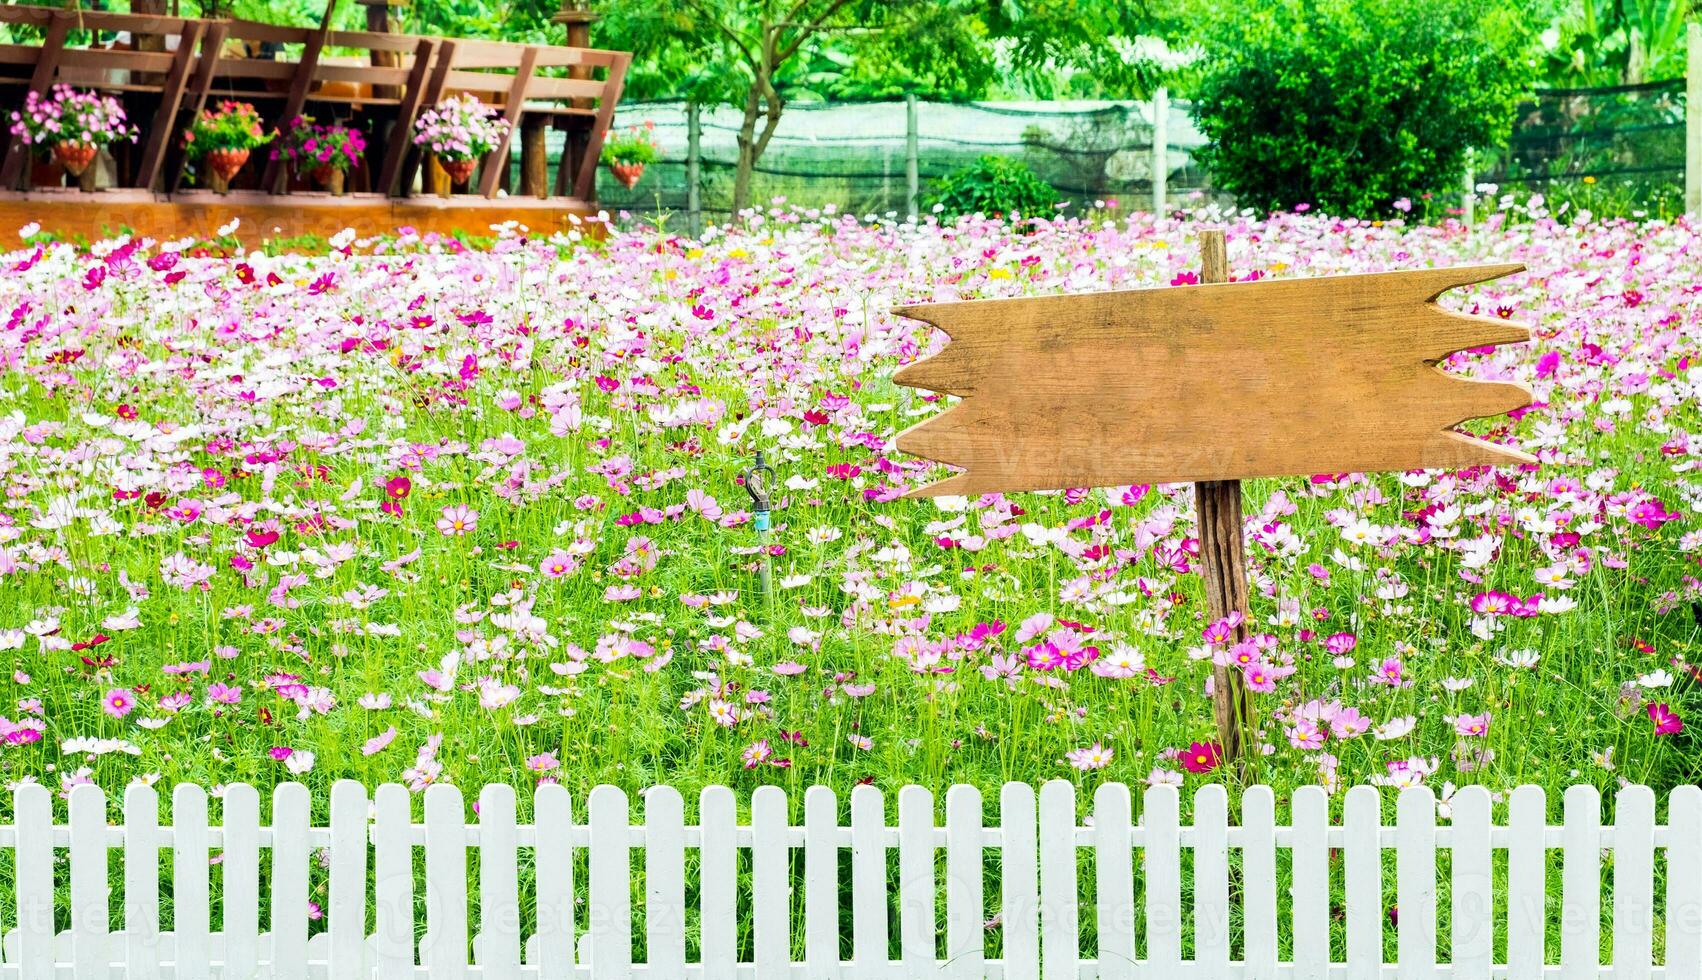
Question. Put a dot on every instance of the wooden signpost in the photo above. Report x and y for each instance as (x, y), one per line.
(1210, 384)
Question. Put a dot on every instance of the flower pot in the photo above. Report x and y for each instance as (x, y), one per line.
(75, 157)
(627, 173)
(329, 177)
(459, 171)
(222, 165)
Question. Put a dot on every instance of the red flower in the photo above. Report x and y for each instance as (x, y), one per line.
(1202, 757)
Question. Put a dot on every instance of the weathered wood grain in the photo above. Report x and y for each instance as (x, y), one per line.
(1208, 382)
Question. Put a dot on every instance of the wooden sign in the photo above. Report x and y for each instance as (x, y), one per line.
(1209, 382)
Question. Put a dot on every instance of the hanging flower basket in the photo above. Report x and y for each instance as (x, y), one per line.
(627, 173)
(221, 140)
(322, 152)
(222, 165)
(459, 171)
(70, 126)
(75, 156)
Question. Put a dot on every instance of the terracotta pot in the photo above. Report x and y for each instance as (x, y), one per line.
(329, 177)
(459, 171)
(222, 165)
(627, 173)
(75, 157)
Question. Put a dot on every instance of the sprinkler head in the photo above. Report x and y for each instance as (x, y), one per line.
(759, 483)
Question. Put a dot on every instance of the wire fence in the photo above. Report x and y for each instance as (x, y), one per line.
(1616, 149)
(1622, 144)
(857, 156)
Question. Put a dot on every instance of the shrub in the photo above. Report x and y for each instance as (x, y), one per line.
(1348, 105)
(996, 185)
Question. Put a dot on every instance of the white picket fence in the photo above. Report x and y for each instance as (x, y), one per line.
(793, 921)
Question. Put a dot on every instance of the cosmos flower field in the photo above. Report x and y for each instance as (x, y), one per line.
(412, 511)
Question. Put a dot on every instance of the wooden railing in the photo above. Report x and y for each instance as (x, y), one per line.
(378, 82)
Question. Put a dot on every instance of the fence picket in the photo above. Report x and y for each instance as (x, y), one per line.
(443, 951)
(1472, 872)
(345, 913)
(1211, 882)
(610, 909)
(292, 812)
(552, 809)
(239, 863)
(1060, 953)
(1362, 860)
(821, 884)
(1527, 859)
(1633, 883)
(966, 901)
(1310, 813)
(1684, 884)
(665, 881)
(88, 882)
(1258, 882)
(1580, 882)
(1415, 883)
(868, 882)
(142, 952)
(189, 886)
(718, 814)
(393, 882)
(1019, 869)
(499, 883)
(916, 880)
(1160, 808)
(32, 808)
(771, 913)
(1113, 858)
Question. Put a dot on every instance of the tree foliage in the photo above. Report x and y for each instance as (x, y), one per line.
(1349, 105)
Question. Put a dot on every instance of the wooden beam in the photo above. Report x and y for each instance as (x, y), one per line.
(297, 98)
(211, 45)
(45, 67)
(585, 187)
(171, 100)
(497, 162)
(431, 94)
(401, 141)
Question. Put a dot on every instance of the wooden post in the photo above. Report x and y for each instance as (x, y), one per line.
(1223, 565)
(1468, 197)
(912, 162)
(41, 79)
(1693, 120)
(694, 167)
(535, 156)
(1161, 154)
(496, 162)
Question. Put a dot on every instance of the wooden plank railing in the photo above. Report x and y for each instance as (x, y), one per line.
(215, 59)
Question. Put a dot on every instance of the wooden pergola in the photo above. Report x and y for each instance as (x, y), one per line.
(166, 69)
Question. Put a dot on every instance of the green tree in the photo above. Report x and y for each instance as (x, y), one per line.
(1616, 42)
(1349, 105)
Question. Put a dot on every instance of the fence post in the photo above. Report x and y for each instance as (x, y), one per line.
(912, 170)
(1468, 197)
(1160, 148)
(1693, 119)
(694, 163)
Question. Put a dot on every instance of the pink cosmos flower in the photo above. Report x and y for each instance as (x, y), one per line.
(1666, 722)
(1472, 726)
(457, 520)
(1095, 756)
(1202, 757)
(118, 702)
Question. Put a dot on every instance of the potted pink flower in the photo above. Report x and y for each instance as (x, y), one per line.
(323, 153)
(628, 152)
(72, 125)
(459, 131)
